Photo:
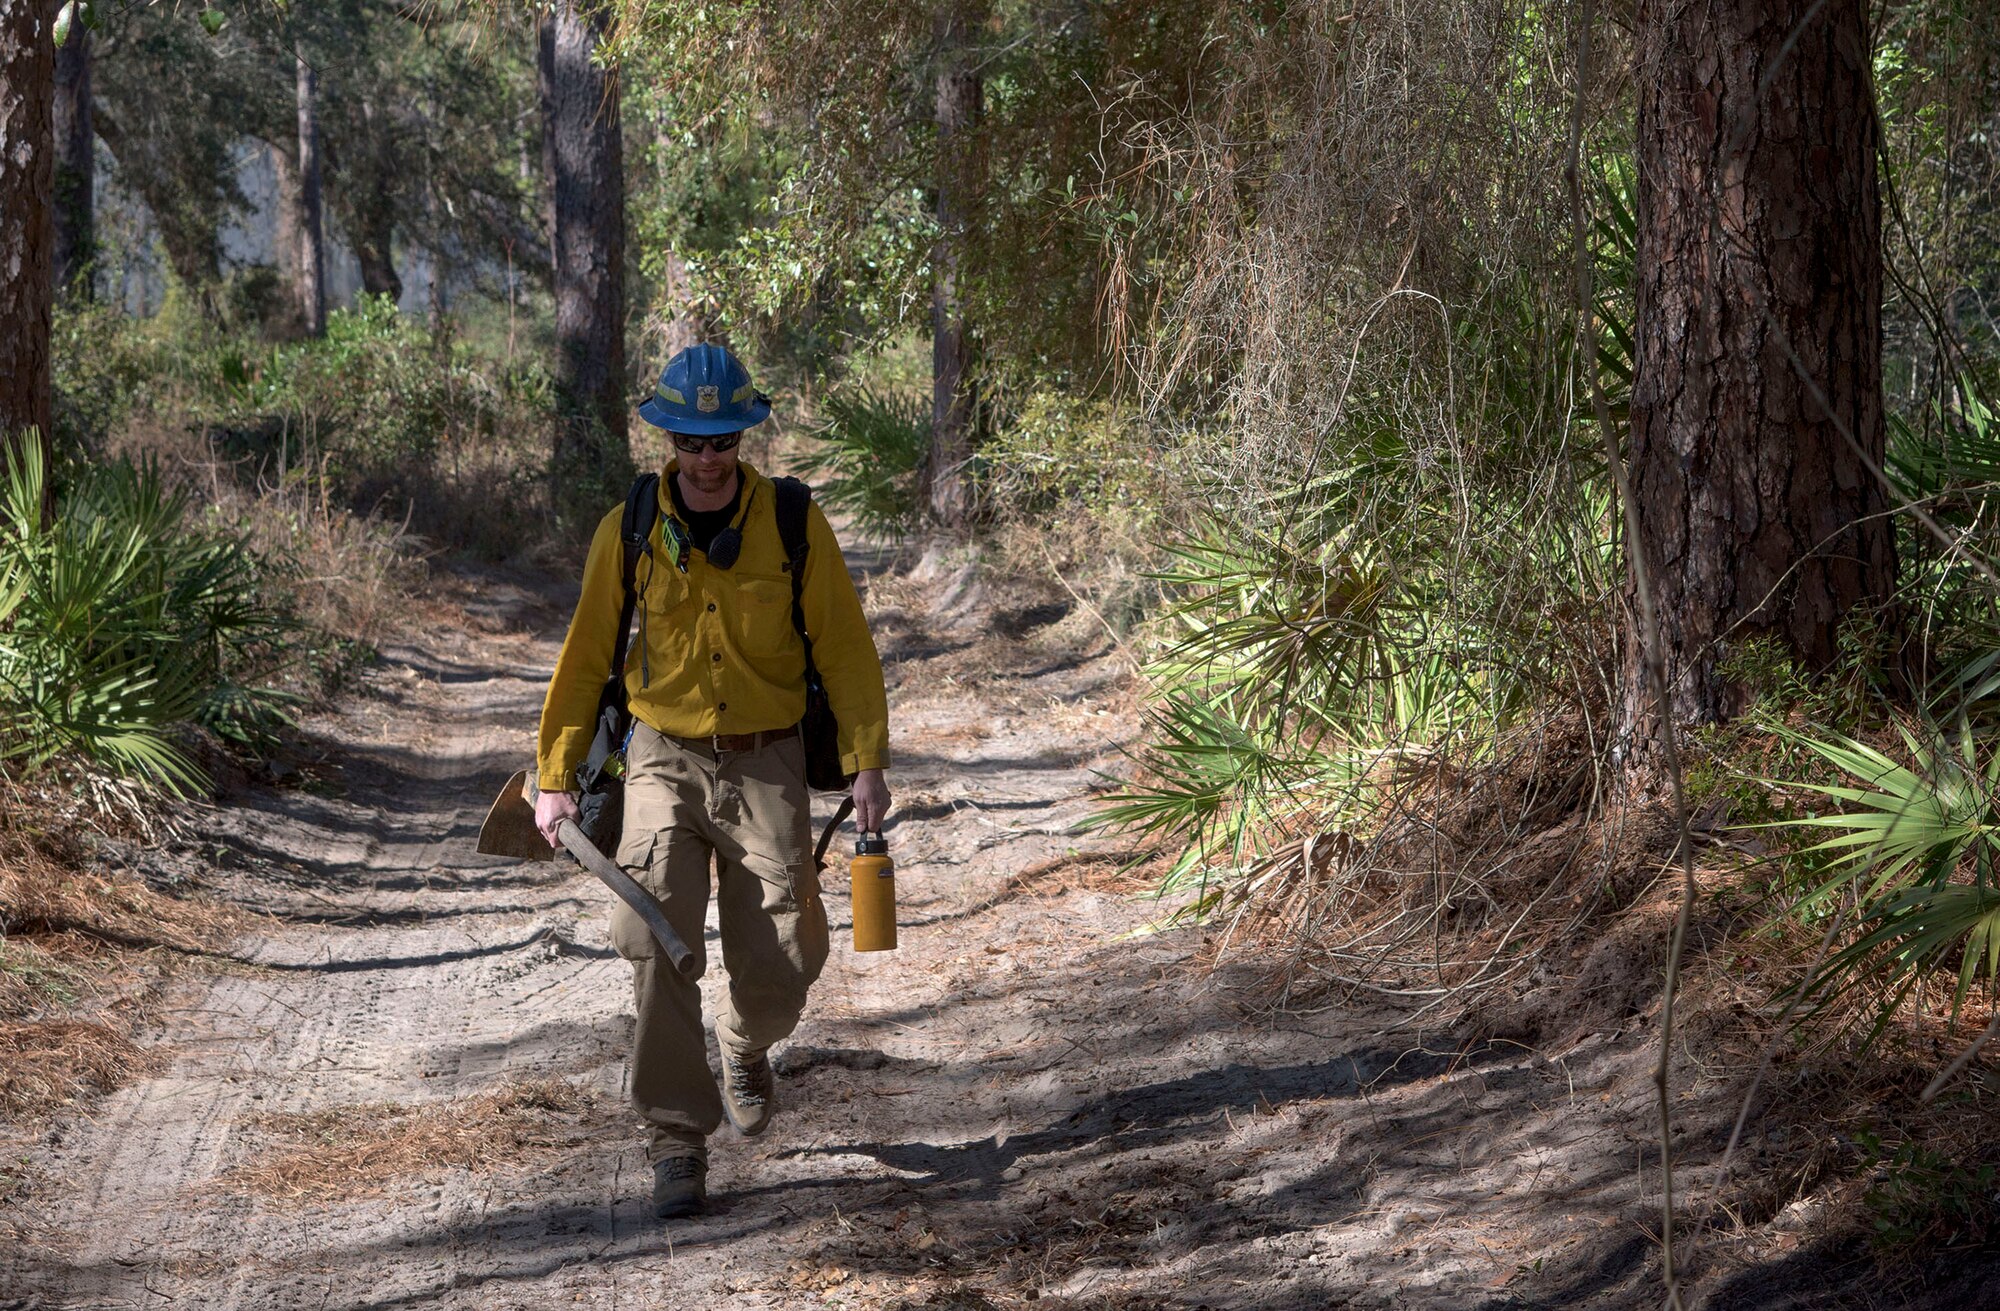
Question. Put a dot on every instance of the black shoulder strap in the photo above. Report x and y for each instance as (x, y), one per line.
(635, 530)
(794, 497)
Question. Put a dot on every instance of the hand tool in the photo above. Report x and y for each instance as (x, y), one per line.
(510, 830)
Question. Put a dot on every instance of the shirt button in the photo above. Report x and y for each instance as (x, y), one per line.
(717, 657)
(711, 607)
(722, 705)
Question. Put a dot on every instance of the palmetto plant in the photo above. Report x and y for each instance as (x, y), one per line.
(118, 622)
(1916, 845)
(871, 450)
(1298, 665)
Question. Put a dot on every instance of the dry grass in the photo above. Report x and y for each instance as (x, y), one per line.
(359, 577)
(1101, 873)
(45, 892)
(79, 947)
(48, 1063)
(348, 1152)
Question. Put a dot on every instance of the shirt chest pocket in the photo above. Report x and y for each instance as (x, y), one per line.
(664, 590)
(764, 609)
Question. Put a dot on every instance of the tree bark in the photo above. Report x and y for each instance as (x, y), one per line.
(309, 285)
(1757, 386)
(961, 178)
(583, 159)
(76, 166)
(684, 325)
(371, 211)
(27, 217)
(378, 269)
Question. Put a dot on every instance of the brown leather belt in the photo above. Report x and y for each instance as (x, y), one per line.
(722, 742)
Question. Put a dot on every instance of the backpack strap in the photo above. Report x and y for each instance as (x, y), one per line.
(794, 498)
(635, 531)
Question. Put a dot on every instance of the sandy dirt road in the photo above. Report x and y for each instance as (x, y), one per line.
(1025, 1104)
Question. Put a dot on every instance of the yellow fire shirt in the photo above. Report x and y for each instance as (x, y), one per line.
(720, 653)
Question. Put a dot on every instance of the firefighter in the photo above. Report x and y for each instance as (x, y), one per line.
(714, 765)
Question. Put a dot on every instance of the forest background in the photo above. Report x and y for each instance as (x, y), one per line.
(1506, 438)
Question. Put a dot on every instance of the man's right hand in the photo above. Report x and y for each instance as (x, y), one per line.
(551, 809)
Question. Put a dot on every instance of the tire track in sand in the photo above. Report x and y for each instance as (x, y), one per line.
(399, 966)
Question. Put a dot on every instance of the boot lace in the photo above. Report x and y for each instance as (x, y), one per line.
(749, 1080)
(678, 1167)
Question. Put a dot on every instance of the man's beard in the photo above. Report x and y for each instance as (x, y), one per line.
(709, 482)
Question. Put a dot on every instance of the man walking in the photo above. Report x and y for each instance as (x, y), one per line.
(715, 770)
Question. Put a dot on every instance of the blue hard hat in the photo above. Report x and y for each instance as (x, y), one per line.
(705, 390)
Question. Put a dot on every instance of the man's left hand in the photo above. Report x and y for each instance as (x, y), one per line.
(871, 801)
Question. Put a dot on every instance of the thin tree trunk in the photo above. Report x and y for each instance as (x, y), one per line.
(372, 216)
(378, 269)
(684, 326)
(960, 182)
(309, 287)
(285, 235)
(27, 217)
(1758, 380)
(583, 159)
(76, 170)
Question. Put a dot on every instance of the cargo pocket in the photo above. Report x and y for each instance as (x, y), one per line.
(630, 937)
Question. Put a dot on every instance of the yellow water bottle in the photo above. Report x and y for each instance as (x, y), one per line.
(872, 882)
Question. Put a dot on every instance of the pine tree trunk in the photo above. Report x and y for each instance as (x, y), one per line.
(378, 268)
(583, 160)
(1759, 340)
(27, 216)
(76, 169)
(960, 182)
(685, 326)
(309, 287)
(371, 213)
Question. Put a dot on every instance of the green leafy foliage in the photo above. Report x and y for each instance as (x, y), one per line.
(1304, 662)
(382, 415)
(120, 621)
(869, 457)
(1921, 1198)
(1914, 846)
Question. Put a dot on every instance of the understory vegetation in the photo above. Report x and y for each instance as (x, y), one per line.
(1302, 341)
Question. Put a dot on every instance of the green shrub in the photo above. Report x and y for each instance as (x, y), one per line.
(1063, 457)
(869, 457)
(120, 621)
(1920, 1198)
(382, 414)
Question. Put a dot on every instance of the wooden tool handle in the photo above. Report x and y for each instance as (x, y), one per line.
(641, 902)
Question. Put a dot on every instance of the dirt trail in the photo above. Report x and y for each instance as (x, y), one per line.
(1019, 1105)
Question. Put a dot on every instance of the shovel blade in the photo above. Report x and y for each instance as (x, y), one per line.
(510, 829)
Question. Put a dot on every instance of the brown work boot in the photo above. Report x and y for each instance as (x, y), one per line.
(748, 1092)
(680, 1186)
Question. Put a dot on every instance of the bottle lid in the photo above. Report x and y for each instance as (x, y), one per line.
(871, 844)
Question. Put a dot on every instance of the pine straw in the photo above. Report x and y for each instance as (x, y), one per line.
(77, 950)
(1456, 880)
(48, 1063)
(45, 889)
(357, 1151)
(1105, 873)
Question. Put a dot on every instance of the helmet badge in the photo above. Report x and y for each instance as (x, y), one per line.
(708, 399)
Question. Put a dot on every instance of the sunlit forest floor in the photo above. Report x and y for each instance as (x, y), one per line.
(406, 1086)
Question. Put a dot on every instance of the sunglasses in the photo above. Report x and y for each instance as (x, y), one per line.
(687, 444)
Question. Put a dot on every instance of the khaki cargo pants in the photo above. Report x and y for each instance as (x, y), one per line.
(749, 810)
